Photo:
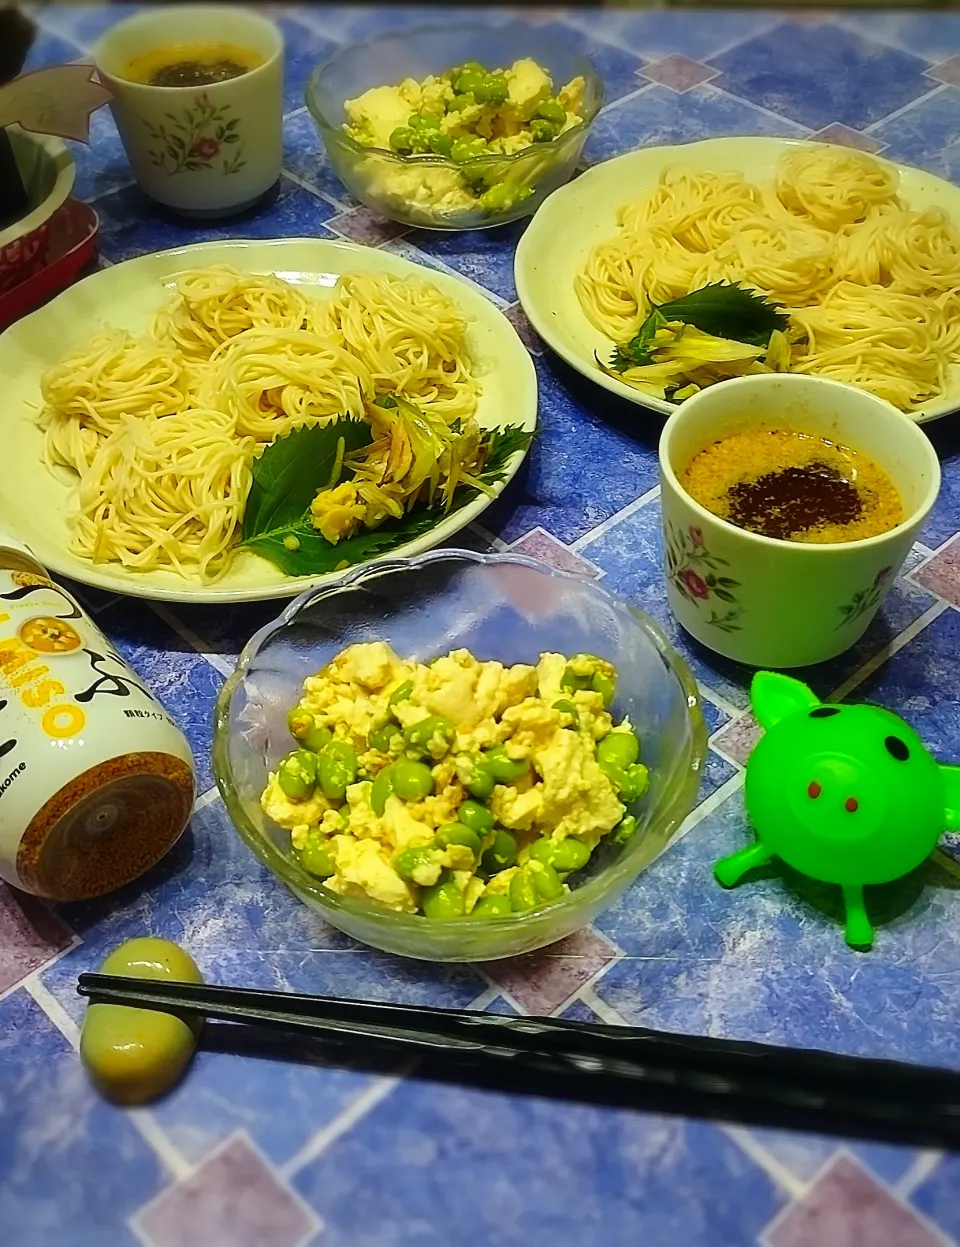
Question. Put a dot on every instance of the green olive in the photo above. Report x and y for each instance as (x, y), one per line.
(501, 853)
(542, 131)
(442, 902)
(458, 833)
(336, 769)
(432, 735)
(382, 738)
(380, 790)
(619, 749)
(553, 111)
(492, 905)
(475, 816)
(400, 693)
(297, 774)
(315, 859)
(624, 830)
(401, 140)
(567, 707)
(502, 767)
(412, 781)
(134, 1055)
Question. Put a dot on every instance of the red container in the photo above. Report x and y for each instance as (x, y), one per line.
(69, 245)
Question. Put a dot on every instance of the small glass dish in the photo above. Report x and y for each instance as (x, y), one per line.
(411, 189)
(499, 606)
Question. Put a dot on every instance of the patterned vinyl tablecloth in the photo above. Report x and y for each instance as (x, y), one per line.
(258, 1153)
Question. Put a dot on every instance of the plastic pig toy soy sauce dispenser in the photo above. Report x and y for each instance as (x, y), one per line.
(843, 794)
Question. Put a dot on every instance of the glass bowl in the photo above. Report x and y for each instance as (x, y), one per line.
(410, 188)
(499, 606)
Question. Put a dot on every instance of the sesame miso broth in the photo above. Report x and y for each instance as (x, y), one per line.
(191, 64)
(793, 486)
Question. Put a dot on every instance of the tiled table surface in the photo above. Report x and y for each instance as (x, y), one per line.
(253, 1152)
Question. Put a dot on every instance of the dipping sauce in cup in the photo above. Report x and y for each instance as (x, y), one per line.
(808, 594)
(198, 101)
(96, 780)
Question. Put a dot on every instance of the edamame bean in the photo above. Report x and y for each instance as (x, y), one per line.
(382, 738)
(467, 149)
(569, 855)
(380, 790)
(573, 682)
(497, 198)
(605, 685)
(458, 833)
(503, 768)
(401, 140)
(419, 863)
(315, 859)
(492, 905)
(567, 707)
(475, 776)
(501, 853)
(432, 735)
(469, 78)
(553, 111)
(493, 91)
(542, 131)
(546, 882)
(443, 901)
(297, 774)
(624, 830)
(630, 781)
(459, 102)
(336, 769)
(475, 816)
(522, 893)
(135, 1055)
(399, 694)
(412, 781)
(542, 850)
(299, 722)
(618, 748)
(440, 144)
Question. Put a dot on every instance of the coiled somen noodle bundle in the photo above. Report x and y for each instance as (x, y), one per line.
(161, 431)
(869, 285)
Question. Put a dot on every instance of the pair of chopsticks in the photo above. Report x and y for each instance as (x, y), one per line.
(630, 1066)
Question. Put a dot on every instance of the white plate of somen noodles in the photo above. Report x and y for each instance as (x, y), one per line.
(238, 420)
(673, 268)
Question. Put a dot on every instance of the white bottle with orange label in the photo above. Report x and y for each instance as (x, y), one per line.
(96, 780)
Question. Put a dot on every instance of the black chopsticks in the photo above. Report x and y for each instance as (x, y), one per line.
(727, 1079)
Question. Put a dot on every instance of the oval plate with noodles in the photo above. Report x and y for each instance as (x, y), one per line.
(37, 505)
(579, 216)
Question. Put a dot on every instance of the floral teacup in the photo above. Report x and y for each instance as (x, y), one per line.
(207, 150)
(772, 603)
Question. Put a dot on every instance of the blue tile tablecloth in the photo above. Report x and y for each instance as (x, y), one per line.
(259, 1153)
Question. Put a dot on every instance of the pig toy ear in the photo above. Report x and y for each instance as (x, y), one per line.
(774, 696)
(951, 788)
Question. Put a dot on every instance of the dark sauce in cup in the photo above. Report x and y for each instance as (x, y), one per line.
(191, 64)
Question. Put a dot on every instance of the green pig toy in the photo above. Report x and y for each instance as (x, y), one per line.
(843, 794)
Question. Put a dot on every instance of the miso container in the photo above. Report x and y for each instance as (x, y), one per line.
(96, 780)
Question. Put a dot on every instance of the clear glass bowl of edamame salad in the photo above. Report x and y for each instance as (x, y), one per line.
(499, 607)
(428, 189)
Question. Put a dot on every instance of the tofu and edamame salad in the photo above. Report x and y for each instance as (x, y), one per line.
(454, 788)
